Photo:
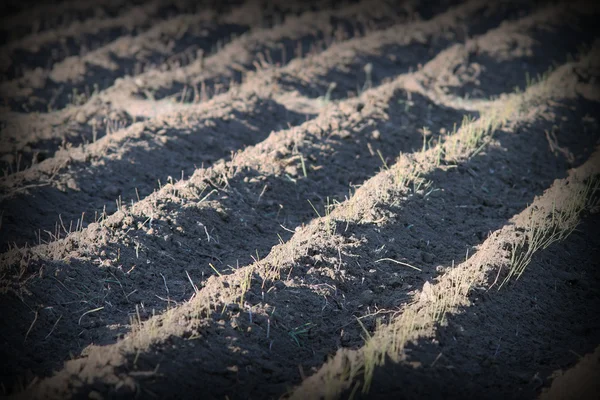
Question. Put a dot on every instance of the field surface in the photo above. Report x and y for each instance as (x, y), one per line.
(300, 200)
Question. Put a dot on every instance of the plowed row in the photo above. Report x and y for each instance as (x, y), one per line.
(316, 201)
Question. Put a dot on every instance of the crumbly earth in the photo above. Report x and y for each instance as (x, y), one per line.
(202, 199)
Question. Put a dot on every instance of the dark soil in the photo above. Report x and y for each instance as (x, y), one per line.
(552, 311)
(215, 151)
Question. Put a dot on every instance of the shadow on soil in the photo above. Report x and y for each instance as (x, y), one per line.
(58, 95)
(234, 356)
(137, 166)
(392, 60)
(55, 51)
(479, 79)
(242, 224)
(508, 344)
(288, 50)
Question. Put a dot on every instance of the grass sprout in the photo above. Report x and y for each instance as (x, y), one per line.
(542, 228)
(300, 331)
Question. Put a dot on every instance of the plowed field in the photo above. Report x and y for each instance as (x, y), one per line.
(302, 200)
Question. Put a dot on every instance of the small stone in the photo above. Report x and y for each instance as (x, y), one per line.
(80, 118)
(344, 134)
(376, 134)
(71, 184)
(291, 170)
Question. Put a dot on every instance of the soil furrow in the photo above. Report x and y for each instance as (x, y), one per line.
(297, 38)
(518, 52)
(116, 105)
(470, 338)
(26, 20)
(170, 43)
(56, 192)
(51, 167)
(399, 49)
(267, 194)
(44, 49)
(327, 255)
(310, 74)
(66, 183)
(75, 79)
(133, 163)
(511, 361)
(45, 18)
